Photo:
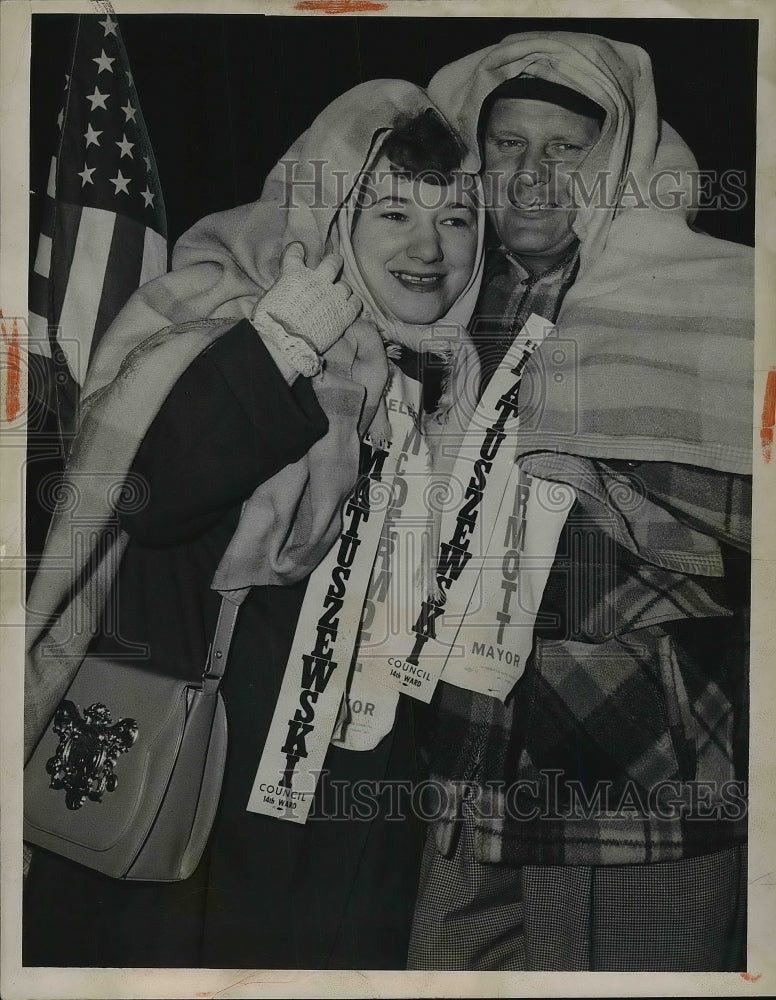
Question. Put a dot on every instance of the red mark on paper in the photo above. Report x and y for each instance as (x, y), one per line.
(13, 370)
(339, 6)
(769, 415)
(749, 977)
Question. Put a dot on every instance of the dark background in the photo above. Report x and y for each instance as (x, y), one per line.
(224, 96)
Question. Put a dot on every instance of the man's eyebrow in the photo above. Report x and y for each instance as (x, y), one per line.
(461, 204)
(394, 198)
(512, 132)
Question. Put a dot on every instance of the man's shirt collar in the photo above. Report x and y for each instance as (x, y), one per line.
(559, 272)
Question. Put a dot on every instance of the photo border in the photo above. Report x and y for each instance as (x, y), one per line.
(18, 983)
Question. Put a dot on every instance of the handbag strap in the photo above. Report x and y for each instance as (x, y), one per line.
(219, 648)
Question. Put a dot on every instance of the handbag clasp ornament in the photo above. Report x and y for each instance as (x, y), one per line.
(89, 747)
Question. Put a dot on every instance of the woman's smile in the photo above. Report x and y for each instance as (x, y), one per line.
(419, 282)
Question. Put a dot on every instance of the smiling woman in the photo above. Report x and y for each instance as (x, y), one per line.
(415, 242)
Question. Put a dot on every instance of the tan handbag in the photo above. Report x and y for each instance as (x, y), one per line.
(127, 778)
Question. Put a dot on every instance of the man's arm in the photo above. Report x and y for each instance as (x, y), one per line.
(716, 503)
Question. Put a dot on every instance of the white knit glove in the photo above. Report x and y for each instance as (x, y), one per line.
(306, 310)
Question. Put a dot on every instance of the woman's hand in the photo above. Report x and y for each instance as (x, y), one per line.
(307, 309)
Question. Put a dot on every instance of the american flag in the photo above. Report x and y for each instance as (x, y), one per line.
(104, 230)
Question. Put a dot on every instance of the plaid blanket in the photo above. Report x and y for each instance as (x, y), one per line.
(625, 741)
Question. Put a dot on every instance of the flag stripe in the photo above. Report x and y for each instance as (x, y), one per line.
(47, 221)
(67, 220)
(37, 337)
(122, 273)
(51, 186)
(154, 256)
(43, 256)
(84, 288)
(38, 294)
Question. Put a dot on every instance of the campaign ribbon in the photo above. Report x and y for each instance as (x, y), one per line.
(322, 652)
(418, 652)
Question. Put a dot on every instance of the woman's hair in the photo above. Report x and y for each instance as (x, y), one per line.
(424, 146)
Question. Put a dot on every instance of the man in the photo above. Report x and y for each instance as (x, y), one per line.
(596, 817)
(534, 135)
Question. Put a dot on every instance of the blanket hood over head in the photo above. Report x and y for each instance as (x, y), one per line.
(659, 321)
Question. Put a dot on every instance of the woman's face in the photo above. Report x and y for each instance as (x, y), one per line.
(415, 243)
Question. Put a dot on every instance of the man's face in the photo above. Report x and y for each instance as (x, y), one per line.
(530, 149)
